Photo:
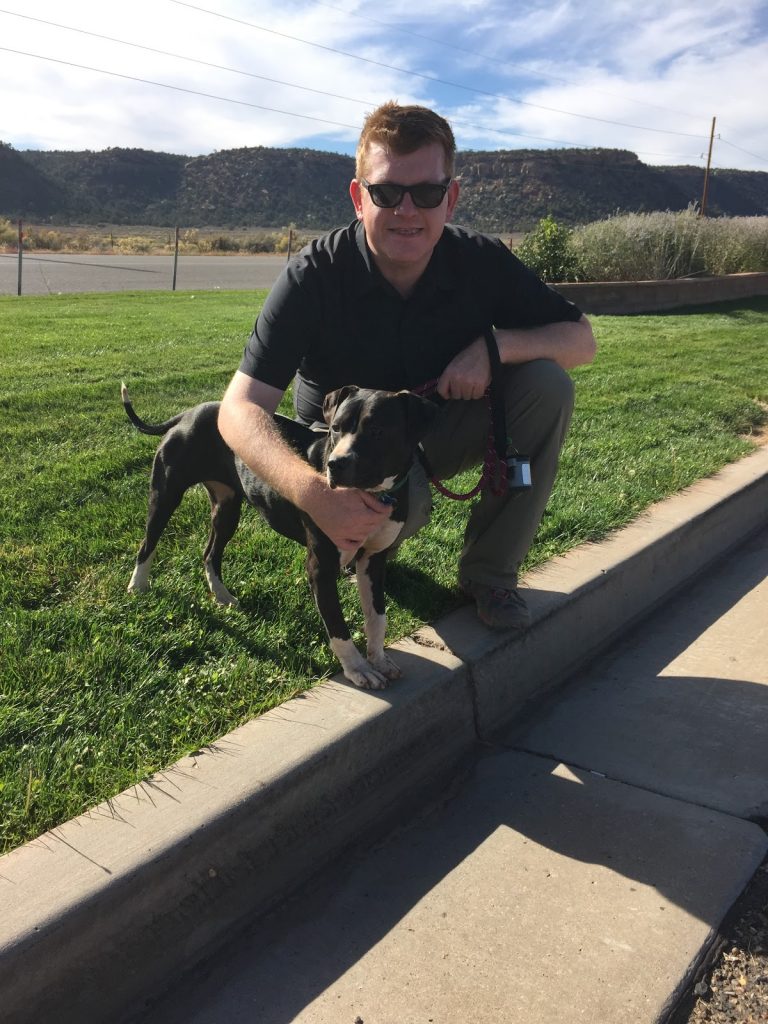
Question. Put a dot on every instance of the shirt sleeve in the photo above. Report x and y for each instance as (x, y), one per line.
(524, 300)
(283, 330)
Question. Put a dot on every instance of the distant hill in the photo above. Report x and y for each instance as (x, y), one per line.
(502, 191)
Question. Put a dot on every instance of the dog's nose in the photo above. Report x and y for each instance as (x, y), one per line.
(341, 470)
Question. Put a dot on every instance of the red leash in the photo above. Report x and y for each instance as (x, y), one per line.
(495, 470)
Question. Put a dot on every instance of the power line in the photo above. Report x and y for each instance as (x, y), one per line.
(504, 133)
(733, 145)
(181, 56)
(560, 142)
(482, 128)
(431, 78)
(179, 88)
(488, 57)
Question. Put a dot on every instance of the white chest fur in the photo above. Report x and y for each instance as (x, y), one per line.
(383, 538)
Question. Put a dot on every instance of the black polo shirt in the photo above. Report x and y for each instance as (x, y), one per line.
(332, 317)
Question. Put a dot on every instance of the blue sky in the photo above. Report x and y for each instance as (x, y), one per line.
(221, 74)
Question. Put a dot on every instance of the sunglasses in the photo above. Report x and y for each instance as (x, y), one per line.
(426, 196)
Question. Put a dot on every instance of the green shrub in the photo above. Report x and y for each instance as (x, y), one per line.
(548, 251)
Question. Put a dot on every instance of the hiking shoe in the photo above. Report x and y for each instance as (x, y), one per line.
(498, 607)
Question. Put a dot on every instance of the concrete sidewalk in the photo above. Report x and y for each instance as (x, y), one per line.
(100, 914)
(545, 892)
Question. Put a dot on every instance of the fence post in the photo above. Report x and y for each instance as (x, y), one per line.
(175, 257)
(21, 246)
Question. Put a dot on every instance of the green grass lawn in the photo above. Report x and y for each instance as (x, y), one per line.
(99, 688)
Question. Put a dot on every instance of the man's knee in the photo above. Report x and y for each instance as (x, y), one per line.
(542, 381)
(539, 401)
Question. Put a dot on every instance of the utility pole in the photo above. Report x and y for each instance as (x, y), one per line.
(21, 253)
(703, 210)
(175, 258)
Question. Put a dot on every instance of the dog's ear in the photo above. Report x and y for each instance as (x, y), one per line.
(420, 413)
(333, 400)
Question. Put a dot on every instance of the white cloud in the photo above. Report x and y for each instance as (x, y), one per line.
(669, 66)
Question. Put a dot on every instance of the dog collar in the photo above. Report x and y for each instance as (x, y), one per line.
(388, 497)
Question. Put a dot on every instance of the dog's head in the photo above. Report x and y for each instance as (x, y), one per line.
(373, 435)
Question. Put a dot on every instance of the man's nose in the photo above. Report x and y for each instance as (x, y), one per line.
(406, 204)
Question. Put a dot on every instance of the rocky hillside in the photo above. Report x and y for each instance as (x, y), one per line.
(505, 190)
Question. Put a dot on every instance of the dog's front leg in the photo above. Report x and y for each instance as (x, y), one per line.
(370, 570)
(323, 571)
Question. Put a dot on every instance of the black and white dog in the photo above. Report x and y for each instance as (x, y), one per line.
(371, 445)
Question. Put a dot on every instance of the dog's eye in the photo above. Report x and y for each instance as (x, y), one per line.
(346, 425)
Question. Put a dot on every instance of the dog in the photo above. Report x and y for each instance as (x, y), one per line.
(371, 444)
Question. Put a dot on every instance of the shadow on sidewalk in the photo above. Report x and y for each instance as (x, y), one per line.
(505, 847)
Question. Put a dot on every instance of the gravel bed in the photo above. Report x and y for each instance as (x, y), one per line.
(734, 988)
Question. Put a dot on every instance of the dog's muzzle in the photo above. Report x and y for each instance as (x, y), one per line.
(341, 470)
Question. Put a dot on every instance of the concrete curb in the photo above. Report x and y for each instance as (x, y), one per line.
(96, 914)
(627, 297)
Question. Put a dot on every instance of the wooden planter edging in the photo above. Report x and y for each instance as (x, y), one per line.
(621, 297)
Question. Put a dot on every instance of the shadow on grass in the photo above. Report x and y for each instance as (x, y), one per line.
(734, 308)
(418, 593)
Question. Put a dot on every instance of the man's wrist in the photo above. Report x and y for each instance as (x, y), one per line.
(309, 487)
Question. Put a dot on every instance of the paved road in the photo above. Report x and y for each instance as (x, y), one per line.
(59, 273)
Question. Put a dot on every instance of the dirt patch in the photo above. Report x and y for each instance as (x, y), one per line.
(734, 988)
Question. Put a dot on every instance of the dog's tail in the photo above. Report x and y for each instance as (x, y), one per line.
(158, 429)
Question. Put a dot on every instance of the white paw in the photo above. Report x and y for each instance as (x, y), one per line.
(385, 666)
(140, 578)
(220, 593)
(139, 581)
(355, 667)
(223, 597)
(366, 677)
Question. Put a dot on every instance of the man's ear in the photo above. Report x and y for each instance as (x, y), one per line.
(356, 194)
(333, 400)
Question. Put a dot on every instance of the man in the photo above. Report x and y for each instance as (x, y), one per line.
(395, 300)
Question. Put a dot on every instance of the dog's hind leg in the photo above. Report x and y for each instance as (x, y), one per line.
(225, 517)
(370, 570)
(163, 502)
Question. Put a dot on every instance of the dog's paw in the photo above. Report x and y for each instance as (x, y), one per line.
(218, 591)
(385, 666)
(139, 583)
(354, 666)
(366, 677)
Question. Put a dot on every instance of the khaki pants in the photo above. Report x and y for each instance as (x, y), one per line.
(539, 401)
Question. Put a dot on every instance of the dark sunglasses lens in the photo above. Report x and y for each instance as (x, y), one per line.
(386, 195)
(427, 196)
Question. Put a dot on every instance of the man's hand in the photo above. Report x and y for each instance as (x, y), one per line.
(346, 515)
(468, 374)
